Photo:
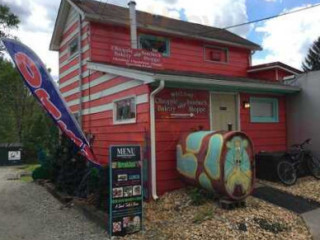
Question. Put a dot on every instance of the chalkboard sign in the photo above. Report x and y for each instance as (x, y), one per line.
(125, 209)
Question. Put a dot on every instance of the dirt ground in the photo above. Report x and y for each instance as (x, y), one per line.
(29, 212)
(174, 217)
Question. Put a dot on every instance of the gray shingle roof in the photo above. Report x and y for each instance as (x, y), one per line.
(108, 13)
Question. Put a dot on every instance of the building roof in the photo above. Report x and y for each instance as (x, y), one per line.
(111, 14)
(197, 80)
(273, 65)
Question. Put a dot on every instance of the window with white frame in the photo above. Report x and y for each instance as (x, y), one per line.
(264, 110)
(124, 110)
(74, 47)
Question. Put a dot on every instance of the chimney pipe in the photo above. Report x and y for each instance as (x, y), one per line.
(133, 24)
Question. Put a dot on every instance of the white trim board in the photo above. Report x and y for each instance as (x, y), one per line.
(140, 99)
(84, 49)
(102, 79)
(74, 79)
(107, 92)
(125, 72)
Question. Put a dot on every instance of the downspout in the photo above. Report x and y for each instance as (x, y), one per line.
(153, 140)
(80, 70)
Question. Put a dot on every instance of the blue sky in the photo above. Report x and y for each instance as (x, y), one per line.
(285, 39)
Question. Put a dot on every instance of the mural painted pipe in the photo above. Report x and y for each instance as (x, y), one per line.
(220, 162)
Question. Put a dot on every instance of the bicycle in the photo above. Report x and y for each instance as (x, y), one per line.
(293, 161)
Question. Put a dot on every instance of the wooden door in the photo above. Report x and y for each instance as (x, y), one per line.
(224, 111)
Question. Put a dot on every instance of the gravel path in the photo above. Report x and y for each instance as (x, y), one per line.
(28, 211)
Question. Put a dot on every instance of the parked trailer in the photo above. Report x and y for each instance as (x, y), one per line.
(221, 162)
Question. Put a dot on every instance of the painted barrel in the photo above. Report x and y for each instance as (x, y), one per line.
(221, 162)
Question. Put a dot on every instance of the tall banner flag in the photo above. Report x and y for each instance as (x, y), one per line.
(44, 89)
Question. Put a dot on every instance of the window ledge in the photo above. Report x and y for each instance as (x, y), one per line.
(129, 121)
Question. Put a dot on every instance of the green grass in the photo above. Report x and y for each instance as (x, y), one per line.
(26, 179)
(28, 168)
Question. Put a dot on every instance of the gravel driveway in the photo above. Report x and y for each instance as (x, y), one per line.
(28, 211)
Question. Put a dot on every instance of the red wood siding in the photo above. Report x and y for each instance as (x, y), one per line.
(268, 137)
(274, 74)
(269, 75)
(168, 132)
(185, 55)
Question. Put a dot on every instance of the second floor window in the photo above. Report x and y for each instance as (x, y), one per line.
(216, 54)
(73, 47)
(155, 44)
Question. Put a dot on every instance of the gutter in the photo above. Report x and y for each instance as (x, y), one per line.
(153, 140)
(80, 70)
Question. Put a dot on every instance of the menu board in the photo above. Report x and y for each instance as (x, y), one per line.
(125, 209)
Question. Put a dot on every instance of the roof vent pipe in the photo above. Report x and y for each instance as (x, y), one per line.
(133, 24)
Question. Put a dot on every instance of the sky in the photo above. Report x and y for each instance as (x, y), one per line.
(286, 39)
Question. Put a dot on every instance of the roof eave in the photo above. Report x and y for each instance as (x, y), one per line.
(148, 77)
(247, 86)
(60, 20)
(95, 18)
(257, 69)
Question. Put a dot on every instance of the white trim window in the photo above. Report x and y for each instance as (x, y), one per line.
(125, 110)
(73, 47)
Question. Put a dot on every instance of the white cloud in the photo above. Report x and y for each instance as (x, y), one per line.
(36, 27)
(217, 13)
(288, 38)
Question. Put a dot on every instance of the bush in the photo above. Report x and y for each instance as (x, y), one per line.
(41, 173)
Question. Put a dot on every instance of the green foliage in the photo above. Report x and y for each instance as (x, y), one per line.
(199, 196)
(275, 227)
(41, 173)
(312, 61)
(8, 20)
(22, 118)
(205, 213)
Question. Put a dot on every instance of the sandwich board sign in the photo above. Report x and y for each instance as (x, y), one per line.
(125, 195)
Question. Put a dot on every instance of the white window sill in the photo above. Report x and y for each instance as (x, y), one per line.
(130, 121)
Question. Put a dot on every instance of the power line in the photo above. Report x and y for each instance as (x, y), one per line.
(271, 17)
(258, 20)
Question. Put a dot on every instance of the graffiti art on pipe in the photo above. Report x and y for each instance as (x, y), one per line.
(220, 162)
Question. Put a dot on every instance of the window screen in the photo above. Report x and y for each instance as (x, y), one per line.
(154, 44)
(264, 110)
(125, 110)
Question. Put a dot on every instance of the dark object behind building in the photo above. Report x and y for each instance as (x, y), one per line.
(11, 154)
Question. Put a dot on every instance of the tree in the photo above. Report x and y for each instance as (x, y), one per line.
(22, 119)
(312, 61)
(8, 20)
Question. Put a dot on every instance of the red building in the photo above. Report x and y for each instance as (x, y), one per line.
(137, 78)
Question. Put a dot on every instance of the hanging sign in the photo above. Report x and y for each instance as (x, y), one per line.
(43, 88)
(125, 202)
(136, 57)
(182, 103)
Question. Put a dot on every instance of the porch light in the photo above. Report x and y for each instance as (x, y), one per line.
(246, 104)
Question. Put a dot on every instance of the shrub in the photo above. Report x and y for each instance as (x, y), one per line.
(41, 173)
